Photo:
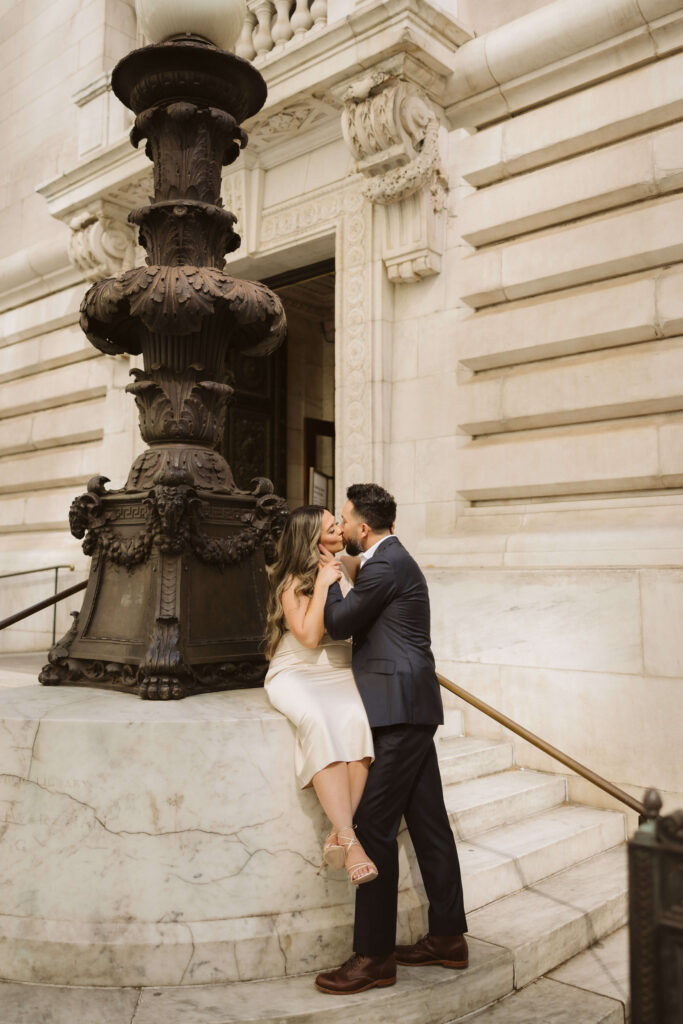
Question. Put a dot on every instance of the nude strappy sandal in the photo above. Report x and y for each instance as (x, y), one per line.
(334, 854)
(347, 842)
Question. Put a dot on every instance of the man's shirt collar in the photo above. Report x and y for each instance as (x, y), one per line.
(367, 555)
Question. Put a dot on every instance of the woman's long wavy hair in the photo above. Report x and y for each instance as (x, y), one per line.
(297, 557)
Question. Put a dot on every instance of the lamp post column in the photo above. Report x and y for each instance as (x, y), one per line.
(176, 596)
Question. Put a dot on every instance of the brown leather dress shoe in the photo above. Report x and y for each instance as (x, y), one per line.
(358, 974)
(446, 950)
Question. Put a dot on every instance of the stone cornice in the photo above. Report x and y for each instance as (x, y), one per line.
(412, 39)
(94, 179)
(412, 33)
(372, 33)
(559, 48)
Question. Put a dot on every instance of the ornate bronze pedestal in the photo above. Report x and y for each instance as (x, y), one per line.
(176, 594)
(655, 856)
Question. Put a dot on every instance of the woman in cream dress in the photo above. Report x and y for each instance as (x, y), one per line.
(310, 680)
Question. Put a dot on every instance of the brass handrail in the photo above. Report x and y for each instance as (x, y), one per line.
(11, 619)
(541, 744)
(44, 568)
(36, 608)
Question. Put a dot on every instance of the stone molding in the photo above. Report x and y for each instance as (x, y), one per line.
(393, 132)
(286, 122)
(36, 271)
(354, 412)
(558, 48)
(102, 243)
(613, 532)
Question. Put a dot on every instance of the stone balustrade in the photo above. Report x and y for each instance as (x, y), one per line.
(271, 25)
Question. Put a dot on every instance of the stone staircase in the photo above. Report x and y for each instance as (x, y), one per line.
(544, 882)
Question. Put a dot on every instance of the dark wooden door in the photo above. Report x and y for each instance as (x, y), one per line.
(256, 428)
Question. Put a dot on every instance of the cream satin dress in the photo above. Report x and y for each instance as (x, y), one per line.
(315, 689)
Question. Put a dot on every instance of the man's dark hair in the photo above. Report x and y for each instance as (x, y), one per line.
(374, 505)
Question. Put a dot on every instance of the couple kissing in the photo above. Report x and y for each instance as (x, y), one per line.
(351, 666)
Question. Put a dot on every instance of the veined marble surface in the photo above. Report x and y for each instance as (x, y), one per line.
(153, 843)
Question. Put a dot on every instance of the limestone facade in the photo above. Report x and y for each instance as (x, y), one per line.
(499, 185)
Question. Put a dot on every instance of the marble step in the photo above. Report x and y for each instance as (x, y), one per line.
(504, 860)
(603, 968)
(566, 910)
(464, 757)
(484, 803)
(421, 996)
(546, 1001)
(547, 923)
(495, 864)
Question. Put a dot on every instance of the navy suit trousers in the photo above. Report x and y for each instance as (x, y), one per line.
(404, 781)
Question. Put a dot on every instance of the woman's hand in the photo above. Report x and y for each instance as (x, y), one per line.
(328, 572)
(326, 557)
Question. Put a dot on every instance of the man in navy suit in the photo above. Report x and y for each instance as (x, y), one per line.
(387, 614)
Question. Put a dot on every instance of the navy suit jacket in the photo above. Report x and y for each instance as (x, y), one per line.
(387, 614)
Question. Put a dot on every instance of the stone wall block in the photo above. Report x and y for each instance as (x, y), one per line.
(47, 314)
(619, 725)
(480, 159)
(668, 157)
(436, 345)
(51, 428)
(669, 297)
(643, 99)
(404, 348)
(654, 9)
(577, 620)
(435, 469)
(562, 192)
(441, 517)
(598, 316)
(478, 278)
(85, 379)
(632, 381)
(482, 680)
(671, 450)
(662, 601)
(667, 33)
(401, 467)
(584, 459)
(623, 532)
(49, 510)
(43, 469)
(423, 408)
(626, 241)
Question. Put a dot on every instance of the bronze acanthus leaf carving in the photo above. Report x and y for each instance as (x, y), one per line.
(177, 300)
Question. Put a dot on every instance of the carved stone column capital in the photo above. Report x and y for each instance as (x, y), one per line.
(102, 242)
(393, 133)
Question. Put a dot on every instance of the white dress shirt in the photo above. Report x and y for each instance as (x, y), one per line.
(367, 555)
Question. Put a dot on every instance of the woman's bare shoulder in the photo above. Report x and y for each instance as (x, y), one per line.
(290, 591)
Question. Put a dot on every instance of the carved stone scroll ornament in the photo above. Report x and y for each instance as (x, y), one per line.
(101, 243)
(394, 135)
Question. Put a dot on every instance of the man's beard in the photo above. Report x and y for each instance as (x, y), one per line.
(353, 548)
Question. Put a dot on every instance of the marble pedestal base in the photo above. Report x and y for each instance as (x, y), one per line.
(160, 843)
